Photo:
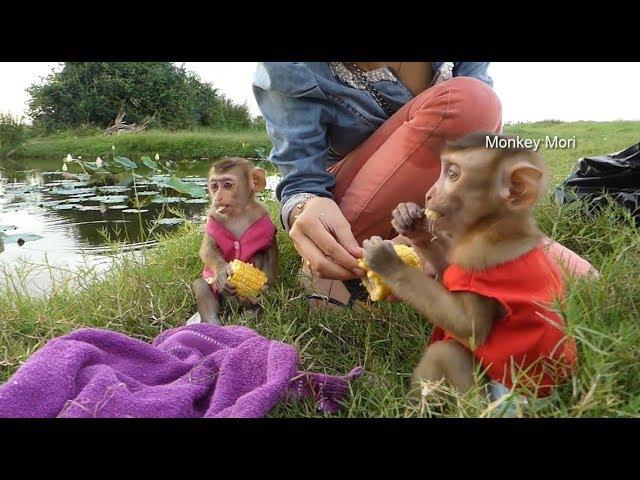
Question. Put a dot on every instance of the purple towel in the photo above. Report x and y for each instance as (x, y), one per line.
(197, 370)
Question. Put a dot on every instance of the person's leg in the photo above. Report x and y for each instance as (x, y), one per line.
(570, 261)
(401, 160)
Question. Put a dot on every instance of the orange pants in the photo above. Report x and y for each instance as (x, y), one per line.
(400, 161)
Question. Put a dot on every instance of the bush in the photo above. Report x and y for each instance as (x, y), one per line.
(91, 93)
(12, 132)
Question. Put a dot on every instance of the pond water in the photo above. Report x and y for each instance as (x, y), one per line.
(60, 225)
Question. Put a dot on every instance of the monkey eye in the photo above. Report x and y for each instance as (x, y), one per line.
(214, 186)
(453, 173)
(228, 185)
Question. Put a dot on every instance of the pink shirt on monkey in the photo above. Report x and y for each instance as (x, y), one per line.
(257, 238)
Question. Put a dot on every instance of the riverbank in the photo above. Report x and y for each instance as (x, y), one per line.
(199, 144)
(143, 296)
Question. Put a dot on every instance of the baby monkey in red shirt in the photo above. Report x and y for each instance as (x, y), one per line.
(494, 305)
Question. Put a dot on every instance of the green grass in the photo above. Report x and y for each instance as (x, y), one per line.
(141, 297)
(184, 144)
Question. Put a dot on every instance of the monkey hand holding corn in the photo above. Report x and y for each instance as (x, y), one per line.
(246, 279)
(372, 281)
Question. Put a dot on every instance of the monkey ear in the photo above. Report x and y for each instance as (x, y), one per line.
(521, 185)
(258, 179)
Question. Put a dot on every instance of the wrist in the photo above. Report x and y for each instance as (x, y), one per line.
(293, 207)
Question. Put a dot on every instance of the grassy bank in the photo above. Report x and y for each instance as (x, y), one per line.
(188, 144)
(215, 143)
(142, 297)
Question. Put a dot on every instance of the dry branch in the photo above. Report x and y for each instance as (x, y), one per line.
(118, 126)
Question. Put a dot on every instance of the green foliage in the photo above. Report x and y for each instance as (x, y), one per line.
(12, 132)
(122, 165)
(198, 144)
(91, 93)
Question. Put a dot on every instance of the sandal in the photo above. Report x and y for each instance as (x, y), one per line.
(353, 288)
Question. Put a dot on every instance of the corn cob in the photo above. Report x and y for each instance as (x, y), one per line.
(372, 281)
(247, 279)
(431, 214)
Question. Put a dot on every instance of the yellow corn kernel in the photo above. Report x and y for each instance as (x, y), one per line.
(247, 279)
(431, 214)
(372, 281)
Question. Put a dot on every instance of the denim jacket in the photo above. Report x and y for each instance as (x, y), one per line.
(318, 112)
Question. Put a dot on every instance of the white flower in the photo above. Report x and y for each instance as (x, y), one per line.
(167, 164)
(69, 158)
(99, 162)
(79, 157)
(64, 167)
(157, 157)
(243, 145)
(113, 147)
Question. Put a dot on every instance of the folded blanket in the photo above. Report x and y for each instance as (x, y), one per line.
(197, 370)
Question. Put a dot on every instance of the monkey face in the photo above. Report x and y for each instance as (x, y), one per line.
(478, 184)
(226, 191)
(233, 188)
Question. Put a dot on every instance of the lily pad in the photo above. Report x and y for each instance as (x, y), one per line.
(17, 192)
(134, 210)
(197, 200)
(113, 189)
(126, 163)
(81, 196)
(169, 221)
(147, 193)
(118, 207)
(149, 163)
(25, 237)
(51, 203)
(109, 198)
(85, 208)
(73, 191)
(184, 187)
(73, 183)
(166, 200)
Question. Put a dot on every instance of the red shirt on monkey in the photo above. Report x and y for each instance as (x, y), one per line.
(255, 239)
(530, 336)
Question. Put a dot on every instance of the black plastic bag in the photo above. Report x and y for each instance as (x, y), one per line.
(616, 176)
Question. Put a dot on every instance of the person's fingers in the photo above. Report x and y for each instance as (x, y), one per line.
(321, 265)
(331, 248)
(345, 237)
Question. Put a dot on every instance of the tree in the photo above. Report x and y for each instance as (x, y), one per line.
(91, 93)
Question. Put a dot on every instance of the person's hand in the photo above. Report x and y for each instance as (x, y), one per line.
(322, 237)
